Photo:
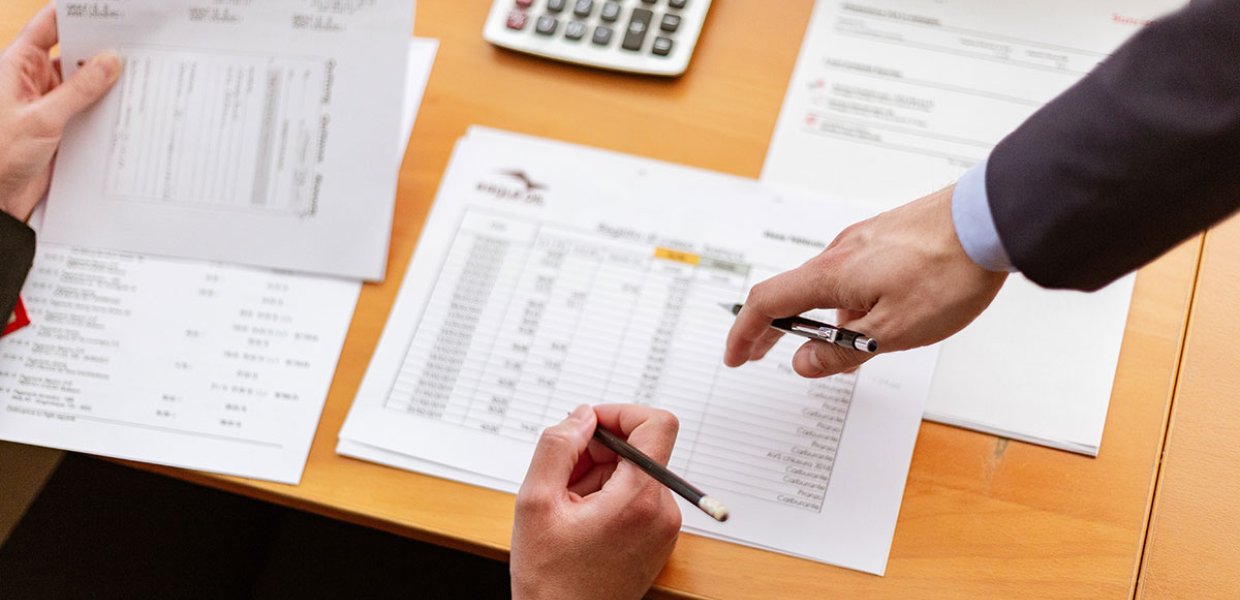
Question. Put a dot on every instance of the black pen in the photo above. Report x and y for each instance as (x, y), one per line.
(676, 483)
(809, 328)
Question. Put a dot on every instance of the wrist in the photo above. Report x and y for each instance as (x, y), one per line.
(973, 223)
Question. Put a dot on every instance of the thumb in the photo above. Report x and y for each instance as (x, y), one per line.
(83, 89)
(557, 453)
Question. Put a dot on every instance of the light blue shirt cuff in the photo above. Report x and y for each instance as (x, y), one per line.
(975, 226)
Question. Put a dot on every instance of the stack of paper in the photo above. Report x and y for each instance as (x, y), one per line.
(551, 275)
(179, 362)
(894, 99)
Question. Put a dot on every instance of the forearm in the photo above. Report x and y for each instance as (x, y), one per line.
(1137, 157)
(17, 247)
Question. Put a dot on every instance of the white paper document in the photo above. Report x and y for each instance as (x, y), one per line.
(551, 275)
(188, 364)
(894, 99)
(257, 133)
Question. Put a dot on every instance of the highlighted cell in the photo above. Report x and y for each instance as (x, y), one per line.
(678, 256)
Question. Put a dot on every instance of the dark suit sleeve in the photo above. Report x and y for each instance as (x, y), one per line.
(16, 256)
(1140, 155)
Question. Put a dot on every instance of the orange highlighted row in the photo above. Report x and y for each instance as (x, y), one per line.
(676, 255)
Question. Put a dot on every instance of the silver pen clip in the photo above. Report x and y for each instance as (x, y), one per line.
(826, 334)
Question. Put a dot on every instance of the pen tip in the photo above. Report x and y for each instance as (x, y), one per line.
(732, 308)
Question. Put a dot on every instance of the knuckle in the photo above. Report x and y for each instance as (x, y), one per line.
(825, 268)
(884, 327)
(26, 54)
(853, 236)
(553, 438)
(529, 502)
(760, 295)
(647, 506)
(667, 420)
(668, 523)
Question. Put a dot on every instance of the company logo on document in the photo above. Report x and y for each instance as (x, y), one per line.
(514, 186)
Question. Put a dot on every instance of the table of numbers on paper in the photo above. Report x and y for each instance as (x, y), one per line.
(550, 276)
(528, 321)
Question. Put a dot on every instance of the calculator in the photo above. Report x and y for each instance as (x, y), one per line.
(651, 37)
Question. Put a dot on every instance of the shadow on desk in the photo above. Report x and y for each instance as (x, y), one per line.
(100, 530)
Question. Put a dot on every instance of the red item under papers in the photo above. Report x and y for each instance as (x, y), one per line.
(17, 320)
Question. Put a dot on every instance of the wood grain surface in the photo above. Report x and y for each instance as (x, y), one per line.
(982, 517)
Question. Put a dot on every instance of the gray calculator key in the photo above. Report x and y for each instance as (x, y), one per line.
(677, 3)
(602, 35)
(546, 25)
(670, 23)
(662, 46)
(611, 12)
(583, 8)
(575, 30)
(556, 6)
(639, 25)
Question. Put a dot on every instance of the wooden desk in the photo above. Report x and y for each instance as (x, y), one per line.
(1193, 547)
(982, 517)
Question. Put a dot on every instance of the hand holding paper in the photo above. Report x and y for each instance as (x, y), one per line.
(249, 133)
(35, 106)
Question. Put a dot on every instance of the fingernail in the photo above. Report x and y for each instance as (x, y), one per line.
(108, 63)
(813, 360)
(580, 417)
(581, 413)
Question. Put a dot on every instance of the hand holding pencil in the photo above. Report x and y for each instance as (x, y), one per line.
(588, 523)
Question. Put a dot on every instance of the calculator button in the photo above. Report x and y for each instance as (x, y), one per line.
(662, 46)
(525, 3)
(546, 25)
(670, 23)
(677, 3)
(602, 35)
(583, 8)
(639, 24)
(556, 6)
(611, 12)
(575, 30)
(517, 20)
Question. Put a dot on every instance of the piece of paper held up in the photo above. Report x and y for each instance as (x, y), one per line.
(894, 99)
(255, 133)
(551, 275)
(181, 363)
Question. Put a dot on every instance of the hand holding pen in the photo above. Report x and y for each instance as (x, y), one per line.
(814, 330)
(590, 524)
(901, 278)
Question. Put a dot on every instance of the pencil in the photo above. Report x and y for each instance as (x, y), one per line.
(676, 483)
